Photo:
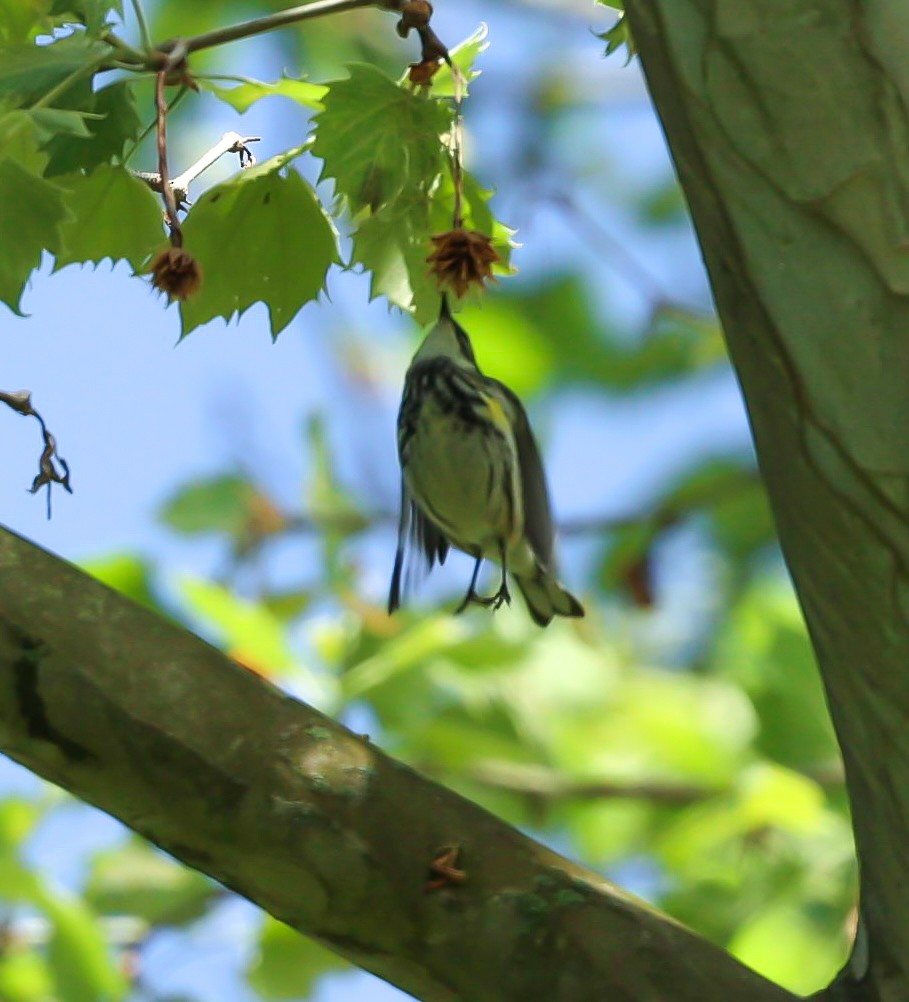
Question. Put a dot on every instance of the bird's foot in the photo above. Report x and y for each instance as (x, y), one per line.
(474, 598)
(501, 597)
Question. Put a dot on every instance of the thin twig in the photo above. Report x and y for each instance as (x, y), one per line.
(181, 93)
(167, 190)
(230, 142)
(21, 403)
(143, 25)
(636, 273)
(280, 19)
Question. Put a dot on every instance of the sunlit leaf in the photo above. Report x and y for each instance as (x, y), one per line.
(221, 504)
(245, 94)
(260, 237)
(250, 634)
(289, 965)
(129, 575)
(378, 139)
(784, 944)
(135, 879)
(82, 965)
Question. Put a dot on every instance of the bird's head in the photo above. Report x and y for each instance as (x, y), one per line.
(447, 339)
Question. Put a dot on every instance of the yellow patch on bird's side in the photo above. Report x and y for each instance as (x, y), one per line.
(497, 414)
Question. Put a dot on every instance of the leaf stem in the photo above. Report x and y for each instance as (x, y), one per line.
(167, 191)
(151, 125)
(280, 19)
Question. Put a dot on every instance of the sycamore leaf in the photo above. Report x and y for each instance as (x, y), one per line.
(28, 72)
(92, 13)
(382, 144)
(617, 36)
(247, 93)
(260, 237)
(112, 215)
(31, 212)
(378, 139)
(112, 122)
(391, 245)
(50, 122)
(20, 20)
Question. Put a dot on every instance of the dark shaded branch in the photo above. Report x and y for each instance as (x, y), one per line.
(312, 822)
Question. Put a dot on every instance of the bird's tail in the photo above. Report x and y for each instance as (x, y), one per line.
(546, 598)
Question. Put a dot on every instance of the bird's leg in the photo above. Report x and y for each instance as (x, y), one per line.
(503, 595)
(472, 597)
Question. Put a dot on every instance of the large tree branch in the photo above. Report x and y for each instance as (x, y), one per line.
(313, 822)
(787, 120)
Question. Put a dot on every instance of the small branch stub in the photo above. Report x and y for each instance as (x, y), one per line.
(48, 474)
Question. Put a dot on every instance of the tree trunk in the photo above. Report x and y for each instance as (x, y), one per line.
(787, 120)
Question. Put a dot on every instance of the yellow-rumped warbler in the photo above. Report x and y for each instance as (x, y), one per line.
(472, 477)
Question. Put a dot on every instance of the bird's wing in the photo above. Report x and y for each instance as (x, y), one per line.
(415, 534)
(535, 494)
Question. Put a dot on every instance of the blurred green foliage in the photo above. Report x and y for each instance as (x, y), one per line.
(714, 786)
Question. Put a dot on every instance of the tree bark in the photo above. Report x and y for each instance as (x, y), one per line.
(787, 121)
(312, 822)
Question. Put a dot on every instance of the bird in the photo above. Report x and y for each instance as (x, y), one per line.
(472, 478)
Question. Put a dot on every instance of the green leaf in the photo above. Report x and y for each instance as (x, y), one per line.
(248, 632)
(784, 944)
(21, 20)
(50, 122)
(393, 243)
(127, 574)
(24, 976)
(764, 647)
(113, 122)
(247, 93)
(33, 209)
(260, 237)
(221, 504)
(289, 965)
(82, 966)
(617, 36)
(134, 879)
(770, 795)
(382, 145)
(507, 344)
(111, 215)
(92, 13)
(28, 72)
(378, 139)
